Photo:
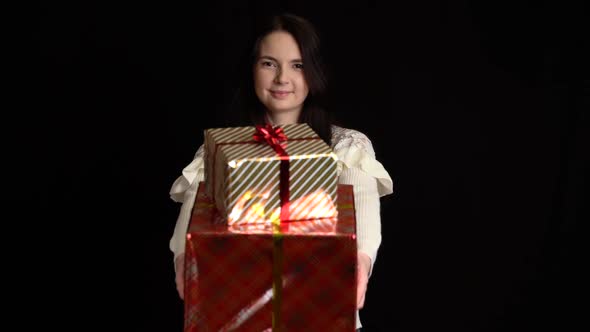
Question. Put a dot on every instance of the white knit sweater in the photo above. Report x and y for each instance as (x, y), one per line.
(357, 166)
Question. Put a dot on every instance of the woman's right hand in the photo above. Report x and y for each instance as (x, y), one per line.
(179, 262)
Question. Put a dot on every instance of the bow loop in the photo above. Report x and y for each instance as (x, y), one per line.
(272, 136)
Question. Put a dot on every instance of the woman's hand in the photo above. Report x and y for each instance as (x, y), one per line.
(364, 266)
(179, 262)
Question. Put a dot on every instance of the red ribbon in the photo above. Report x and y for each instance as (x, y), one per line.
(274, 137)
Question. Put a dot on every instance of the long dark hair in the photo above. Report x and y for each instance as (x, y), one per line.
(245, 100)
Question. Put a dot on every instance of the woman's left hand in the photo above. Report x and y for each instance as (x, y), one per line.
(364, 266)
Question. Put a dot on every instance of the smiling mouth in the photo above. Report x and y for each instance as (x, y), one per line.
(279, 94)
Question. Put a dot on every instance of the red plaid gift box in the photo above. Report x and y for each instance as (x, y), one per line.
(231, 272)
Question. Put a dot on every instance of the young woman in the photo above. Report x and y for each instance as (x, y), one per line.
(285, 84)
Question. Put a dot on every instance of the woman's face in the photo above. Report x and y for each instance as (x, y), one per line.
(278, 77)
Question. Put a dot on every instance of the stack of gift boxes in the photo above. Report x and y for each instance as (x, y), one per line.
(271, 245)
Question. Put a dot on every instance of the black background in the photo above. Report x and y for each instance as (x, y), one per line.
(478, 111)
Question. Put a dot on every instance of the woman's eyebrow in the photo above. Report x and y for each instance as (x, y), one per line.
(268, 57)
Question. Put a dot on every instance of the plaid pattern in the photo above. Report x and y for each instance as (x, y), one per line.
(232, 290)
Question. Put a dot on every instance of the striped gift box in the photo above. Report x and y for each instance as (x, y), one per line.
(243, 175)
(229, 273)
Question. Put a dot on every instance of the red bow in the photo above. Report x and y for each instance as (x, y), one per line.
(272, 136)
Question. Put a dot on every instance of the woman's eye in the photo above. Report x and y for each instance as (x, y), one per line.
(298, 66)
(267, 64)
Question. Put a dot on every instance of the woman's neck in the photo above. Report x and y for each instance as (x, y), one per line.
(282, 118)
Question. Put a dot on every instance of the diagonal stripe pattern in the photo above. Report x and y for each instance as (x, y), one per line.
(243, 175)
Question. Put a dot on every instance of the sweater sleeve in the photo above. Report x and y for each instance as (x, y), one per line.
(359, 168)
(184, 190)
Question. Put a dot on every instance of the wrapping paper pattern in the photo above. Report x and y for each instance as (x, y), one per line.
(228, 280)
(244, 175)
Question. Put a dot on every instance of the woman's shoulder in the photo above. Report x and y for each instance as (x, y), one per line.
(355, 150)
(195, 171)
(344, 138)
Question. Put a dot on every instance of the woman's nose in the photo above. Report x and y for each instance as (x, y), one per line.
(281, 77)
